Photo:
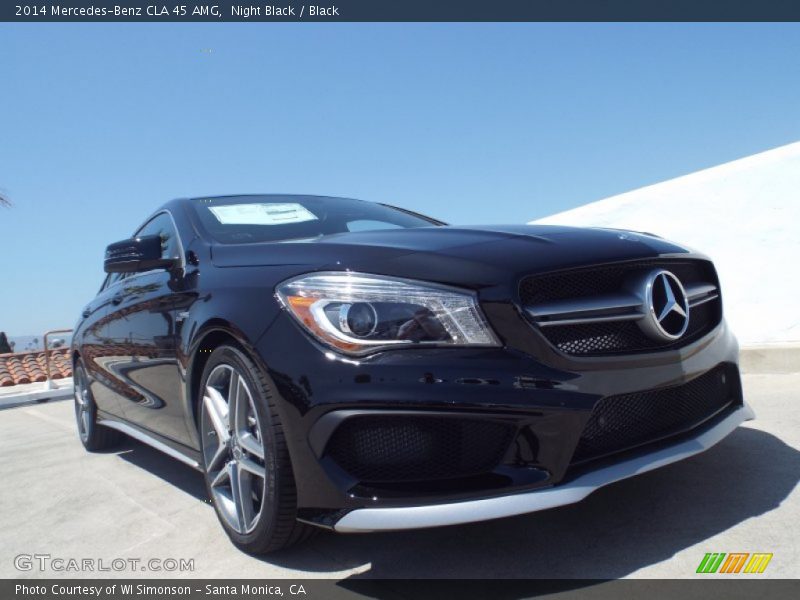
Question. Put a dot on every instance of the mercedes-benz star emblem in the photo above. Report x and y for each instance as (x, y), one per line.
(666, 307)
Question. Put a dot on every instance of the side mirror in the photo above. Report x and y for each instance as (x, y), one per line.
(136, 254)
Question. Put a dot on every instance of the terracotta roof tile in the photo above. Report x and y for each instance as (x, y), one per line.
(27, 367)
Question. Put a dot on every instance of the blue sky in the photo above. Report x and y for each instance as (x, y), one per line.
(471, 123)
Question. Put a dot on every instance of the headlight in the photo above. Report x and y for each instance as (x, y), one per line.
(358, 313)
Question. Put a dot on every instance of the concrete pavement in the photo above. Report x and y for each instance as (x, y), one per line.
(740, 496)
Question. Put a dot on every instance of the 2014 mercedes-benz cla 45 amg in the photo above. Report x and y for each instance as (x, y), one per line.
(353, 366)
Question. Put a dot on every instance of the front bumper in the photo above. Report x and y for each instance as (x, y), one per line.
(456, 513)
(551, 402)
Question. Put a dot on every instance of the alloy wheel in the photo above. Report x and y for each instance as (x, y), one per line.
(233, 449)
(83, 404)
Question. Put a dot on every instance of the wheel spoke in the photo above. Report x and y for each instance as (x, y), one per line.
(80, 391)
(222, 476)
(236, 494)
(252, 445)
(234, 406)
(85, 420)
(245, 422)
(251, 466)
(218, 459)
(245, 496)
(217, 411)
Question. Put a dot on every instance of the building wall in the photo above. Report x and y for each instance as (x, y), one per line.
(745, 215)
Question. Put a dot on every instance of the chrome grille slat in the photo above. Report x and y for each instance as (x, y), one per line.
(699, 301)
(588, 319)
(605, 303)
(701, 293)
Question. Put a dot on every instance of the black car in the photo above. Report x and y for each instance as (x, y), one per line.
(340, 364)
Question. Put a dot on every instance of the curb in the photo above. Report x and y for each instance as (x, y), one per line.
(770, 358)
(36, 394)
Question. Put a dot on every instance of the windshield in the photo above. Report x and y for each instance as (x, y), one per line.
(250, 219)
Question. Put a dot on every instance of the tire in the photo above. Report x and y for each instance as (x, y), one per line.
(94, 437)
(247, 468)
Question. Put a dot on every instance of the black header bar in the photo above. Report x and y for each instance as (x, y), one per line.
(402, 10)
(743, 588)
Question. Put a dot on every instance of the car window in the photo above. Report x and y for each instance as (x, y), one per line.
(253, 219)
(115, 277)
(369, 225)
(162, 226)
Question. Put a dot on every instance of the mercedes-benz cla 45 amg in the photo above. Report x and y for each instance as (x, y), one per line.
(339, 364)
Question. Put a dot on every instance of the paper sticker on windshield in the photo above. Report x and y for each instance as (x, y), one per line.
(262, 214)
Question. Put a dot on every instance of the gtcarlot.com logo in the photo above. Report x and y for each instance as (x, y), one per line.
(58, 564)
(734, 562)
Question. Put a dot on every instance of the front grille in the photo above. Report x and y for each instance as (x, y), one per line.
(398, 448)
(622, 422)
(617, 337)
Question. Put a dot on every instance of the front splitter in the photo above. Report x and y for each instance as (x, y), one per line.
(456, 513)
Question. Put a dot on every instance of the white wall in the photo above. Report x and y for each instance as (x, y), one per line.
(745, 215)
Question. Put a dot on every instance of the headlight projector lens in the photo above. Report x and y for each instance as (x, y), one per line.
(359, 319)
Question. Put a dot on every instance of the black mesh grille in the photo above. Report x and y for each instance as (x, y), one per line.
(626, 421)
(376, 449)
(617, 337)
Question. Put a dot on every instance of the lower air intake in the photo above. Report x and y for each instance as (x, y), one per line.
(622, 422)
(400, 448)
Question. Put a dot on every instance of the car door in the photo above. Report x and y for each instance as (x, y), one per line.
(141, 325)
(95, 347)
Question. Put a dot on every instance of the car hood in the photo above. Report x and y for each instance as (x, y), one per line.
(475, 256)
